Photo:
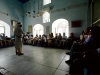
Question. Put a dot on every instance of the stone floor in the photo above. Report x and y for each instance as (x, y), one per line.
(35, 61)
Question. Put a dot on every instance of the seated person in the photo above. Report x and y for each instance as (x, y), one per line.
(63, 41)
(83, 35)
(1, 45)
(30, 39)
(89, 61)
(43, 40)
(9, 41)
(39, 39)
(50, 39)
(91, 43)
(70, 40)
(38, 43)
(25, 39)
(45, 44)
(3, 38)
(57, 41)
(35, 40)
(55, 36)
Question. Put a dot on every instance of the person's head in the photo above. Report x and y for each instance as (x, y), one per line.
(37, 35)
(45, 36)
(63, 34)
(27, 32)
(51, 34)
(71, 34)
(3, 34)
(86, 31)
(20, 24)
(59, 34)
(31, 35)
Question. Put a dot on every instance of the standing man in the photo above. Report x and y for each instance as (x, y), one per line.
(18, 39)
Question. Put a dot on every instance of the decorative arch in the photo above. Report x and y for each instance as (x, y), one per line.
(60, 26)
(6, 28)
(38, 29)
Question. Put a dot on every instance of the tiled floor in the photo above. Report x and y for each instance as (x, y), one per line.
(35, 61)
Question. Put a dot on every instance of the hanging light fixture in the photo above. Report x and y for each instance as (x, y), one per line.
(29, 7)
(34, 11)
(34, 7)
(26, 9)
(38, 8)
(28, 12)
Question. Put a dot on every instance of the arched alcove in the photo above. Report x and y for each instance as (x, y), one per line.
(6, 28)
(46, 17)
(38, 29)
(60, 26)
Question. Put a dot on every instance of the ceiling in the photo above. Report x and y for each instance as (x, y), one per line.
(23, 1)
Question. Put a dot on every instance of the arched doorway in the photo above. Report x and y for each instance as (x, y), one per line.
(5, 28)
(38, 29)
(60, 26)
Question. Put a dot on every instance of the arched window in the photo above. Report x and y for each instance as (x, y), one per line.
(38, 29)
(60, 26)
(45, 2)
(46, 17)
(4, 28)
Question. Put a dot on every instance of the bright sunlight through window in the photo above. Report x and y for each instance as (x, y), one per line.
(46, 17)
(45, 2)
(1, 28)
(60, 26)
(4, 28)
(38, 29)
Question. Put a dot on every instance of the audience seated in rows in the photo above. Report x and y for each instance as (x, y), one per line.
(5, 41)
(50, 41)
(86, 52)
